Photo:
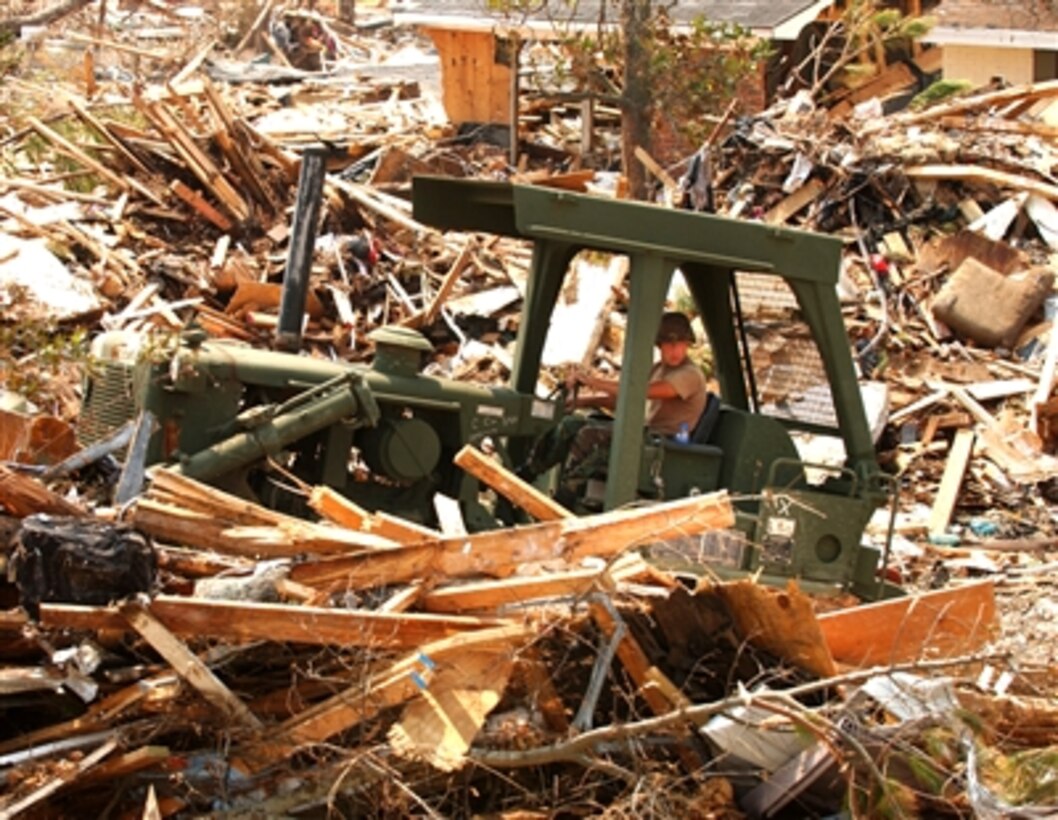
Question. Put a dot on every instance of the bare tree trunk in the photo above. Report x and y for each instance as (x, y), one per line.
(13, 25)
(636, 107)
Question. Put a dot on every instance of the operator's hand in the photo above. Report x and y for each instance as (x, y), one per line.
(580, 375)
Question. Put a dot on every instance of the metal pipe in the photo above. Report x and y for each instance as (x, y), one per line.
(302, 244)
(270, 437)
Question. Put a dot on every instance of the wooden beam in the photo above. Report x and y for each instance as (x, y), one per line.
(188, 665)
(246, 621)
(500, 552)
(945, 623)
(986, 176)
(23, 495)
(951, 482)
(489, 595)
(340, 510)
(995, 124)
(798, 200)
(1035, 91)
(521, 493)
(427, 316)
(200, 205)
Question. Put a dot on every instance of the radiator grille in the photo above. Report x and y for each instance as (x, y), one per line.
(108, 402)
(790, 378)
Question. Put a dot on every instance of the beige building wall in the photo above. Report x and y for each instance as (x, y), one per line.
(979, 64)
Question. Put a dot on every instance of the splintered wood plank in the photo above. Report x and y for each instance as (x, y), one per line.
(950, 484)
(199, 163)
(295, 539)
(188, 665)
(427, 316)
(101, 128)
(337, 508)
(798, 200)
(944, 623)
(51, 786)
(1033, 91)
(345, 513)
(402, 600)
(489, 595)
(997, 124)
(779, 621)
(500, 552)
(396, 684)
(245, 621)
(196, 495)
(542, 507)
(251, 171)
(986, 176)
(174, 523)
(198, 203)
(23, 495)
(126, 764)
(439, 726)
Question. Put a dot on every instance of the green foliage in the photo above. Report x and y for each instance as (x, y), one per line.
(926, 773)
(940, 90)
(863, 30)
(691, 74)
(1022, 778)
(37, 358)
(889, 801)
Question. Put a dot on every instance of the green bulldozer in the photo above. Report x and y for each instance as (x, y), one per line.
(385, 435)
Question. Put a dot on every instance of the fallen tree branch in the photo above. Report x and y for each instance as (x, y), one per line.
(577, 749)
(14, 25)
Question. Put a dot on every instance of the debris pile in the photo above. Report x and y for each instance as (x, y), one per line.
(361, 661)
(258, 661)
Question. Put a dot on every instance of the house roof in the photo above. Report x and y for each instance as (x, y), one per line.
(776, 19)
(1011, 23)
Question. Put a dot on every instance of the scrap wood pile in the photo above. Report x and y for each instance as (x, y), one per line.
(154, 207)
(950, 218)
(165, 200)
(365, 663)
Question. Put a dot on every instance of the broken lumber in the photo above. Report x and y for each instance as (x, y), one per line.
(951, 482)
(521, 493)
(251, 621)
(500, 552)
(492, 595)
(941, 624)
(339, 510)
(398, 683)
(23, 495)
(983, 175)
(188, 665)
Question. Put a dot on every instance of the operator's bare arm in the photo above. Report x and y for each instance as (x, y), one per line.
(605, 395)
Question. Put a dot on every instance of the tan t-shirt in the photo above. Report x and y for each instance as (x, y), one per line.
(665, 415)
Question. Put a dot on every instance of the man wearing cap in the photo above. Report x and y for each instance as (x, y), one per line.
(676, 392)
(676, 396)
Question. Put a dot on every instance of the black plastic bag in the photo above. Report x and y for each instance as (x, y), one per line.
(79, 561)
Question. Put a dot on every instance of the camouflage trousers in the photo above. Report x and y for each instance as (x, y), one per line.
(581, 445)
